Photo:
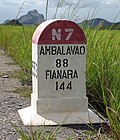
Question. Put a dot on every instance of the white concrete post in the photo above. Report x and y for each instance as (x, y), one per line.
(58, 76)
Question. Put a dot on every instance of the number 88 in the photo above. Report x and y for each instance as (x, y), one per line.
(64, 63)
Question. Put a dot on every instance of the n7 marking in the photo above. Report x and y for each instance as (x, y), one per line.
(57, 34)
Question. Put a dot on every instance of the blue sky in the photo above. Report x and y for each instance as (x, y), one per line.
(107, 9)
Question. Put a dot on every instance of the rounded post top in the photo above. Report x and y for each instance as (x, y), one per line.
(59, 32)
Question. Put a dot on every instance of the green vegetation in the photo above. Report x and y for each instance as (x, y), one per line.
(16, 41)
(23, 91)
(103, 66)
(103, 74)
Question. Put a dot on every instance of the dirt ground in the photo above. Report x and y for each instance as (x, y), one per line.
(10, 102)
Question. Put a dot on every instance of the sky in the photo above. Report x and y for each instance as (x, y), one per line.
(77, 10)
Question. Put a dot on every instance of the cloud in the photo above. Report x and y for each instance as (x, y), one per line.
(9, 8)
(7, 3)
(99, 3)
(110, 2)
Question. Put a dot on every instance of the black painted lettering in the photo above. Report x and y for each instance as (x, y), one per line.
(69, 86)
(65, 75)
(75, 74)
(72, 50)
(70, 73)
(77, 50)
(48, 74)
(59, 74)
(63, 53)
(63, 85)
(47, 50)
(65, 62)
(54, 75)
(42, 51)
(53, 50)
(62, 50)
(82, 50)
(59, 50)
(56, 85)
(58, 63)
(68, 52)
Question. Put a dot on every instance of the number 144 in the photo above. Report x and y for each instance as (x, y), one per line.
(63, 86)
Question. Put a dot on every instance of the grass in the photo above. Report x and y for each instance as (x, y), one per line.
(16, 41)
(53, 133)
(103, 73)
(41, 133)
(23, 91)
(103, 66)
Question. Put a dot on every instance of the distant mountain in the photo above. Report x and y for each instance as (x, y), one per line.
(6, 21)
(100, 23)
(115, 26)
(31, 18)
(12, 22)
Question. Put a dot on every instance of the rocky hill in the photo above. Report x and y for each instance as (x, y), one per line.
(31, 18)
(101, 23)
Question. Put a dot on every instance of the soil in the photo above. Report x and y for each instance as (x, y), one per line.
(11, 102)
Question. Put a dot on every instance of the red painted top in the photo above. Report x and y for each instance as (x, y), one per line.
(59, 32)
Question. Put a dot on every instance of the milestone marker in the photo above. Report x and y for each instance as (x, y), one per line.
(58, 76)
